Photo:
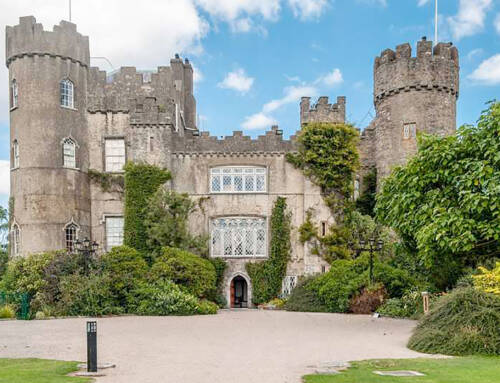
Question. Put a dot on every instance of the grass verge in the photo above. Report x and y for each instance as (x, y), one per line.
(454, 370)
(38, 371)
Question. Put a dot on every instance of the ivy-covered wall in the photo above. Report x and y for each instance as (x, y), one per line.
(267, 276)
(141, 182)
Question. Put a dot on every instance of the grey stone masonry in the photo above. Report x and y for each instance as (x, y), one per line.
(322, 111)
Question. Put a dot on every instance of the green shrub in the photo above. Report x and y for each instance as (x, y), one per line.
(195, 274)
(87, 295)
(488, 280)
(408, 306)
(125, 268)
(206, 307)
(464, 322)
(368, 300)
(4, 260)
(217, 294)
(7, 312)
(304, 299)
(164, 298)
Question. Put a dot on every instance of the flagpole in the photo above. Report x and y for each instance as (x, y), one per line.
(70, 10)
(436, 24)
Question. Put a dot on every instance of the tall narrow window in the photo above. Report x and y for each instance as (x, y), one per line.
(13, 94)
(356, 190)
(114, 232)
(15, 239)
(114, 154)
(323, 228)
(15, 154)
(69, 153)
(409, 130)
(71, 236)
(67, 93)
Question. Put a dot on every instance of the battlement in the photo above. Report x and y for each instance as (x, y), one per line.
(164, 96)
(322, 111)
(431, 69)
(196, 143)
(28, 39)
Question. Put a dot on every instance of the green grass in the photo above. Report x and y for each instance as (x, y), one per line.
(455, 370)
(38, 371)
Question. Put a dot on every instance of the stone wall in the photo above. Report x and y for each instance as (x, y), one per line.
(322, 111)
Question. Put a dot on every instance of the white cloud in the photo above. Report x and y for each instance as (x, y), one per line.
(383, 3)
(421, 3)
(497, 23)
(258, 121)
(197, 74)
(237, 80)
(145, 36)
(473, 53)
(470, 18)
(488, 72)
(4, 177)
(292, 94)
(333, 78)
(307, 9)
(230, 10)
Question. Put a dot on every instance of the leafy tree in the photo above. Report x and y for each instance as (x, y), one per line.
(4, 234)
(166, 223)
(445, 203)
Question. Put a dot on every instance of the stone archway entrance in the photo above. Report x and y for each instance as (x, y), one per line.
(239, 292)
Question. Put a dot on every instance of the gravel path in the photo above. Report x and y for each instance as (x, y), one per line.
(247, 346)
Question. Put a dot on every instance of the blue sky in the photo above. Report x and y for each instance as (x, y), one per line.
(255, 58)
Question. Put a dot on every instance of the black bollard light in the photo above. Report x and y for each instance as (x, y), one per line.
(92, 346)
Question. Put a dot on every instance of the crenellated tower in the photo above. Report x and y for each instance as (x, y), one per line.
(322, 111)
(411, 95)
(49, 138)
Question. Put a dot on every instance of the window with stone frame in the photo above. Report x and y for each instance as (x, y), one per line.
(238, 179)
(14, 94)
(114, 231)
(409, 130)
(15, 154)
(67, 95)
(288, 284)
(71, 235)
(15, 238)
(238, 237)
(69, 153)
(114, 153)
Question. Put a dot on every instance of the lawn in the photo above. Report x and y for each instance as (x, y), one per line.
(455, 370)
(38, 371)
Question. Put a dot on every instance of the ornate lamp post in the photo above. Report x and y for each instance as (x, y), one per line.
(87, 249)
(371, 245)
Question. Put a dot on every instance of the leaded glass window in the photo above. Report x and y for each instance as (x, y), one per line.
(70, 232)
(15, 154)
(67, 93)
(13, 94)
(288, 284)
(69, 153)
(114, 232)
(239, 237)
(115, 154)
(409, 130)
(238, 179)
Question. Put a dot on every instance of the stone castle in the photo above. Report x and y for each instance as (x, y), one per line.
(67, 117)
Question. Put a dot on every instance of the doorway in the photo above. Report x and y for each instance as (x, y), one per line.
(239, 292)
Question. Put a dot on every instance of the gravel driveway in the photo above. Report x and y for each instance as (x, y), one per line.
(247, 346)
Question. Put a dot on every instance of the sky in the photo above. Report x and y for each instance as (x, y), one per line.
(254, 59)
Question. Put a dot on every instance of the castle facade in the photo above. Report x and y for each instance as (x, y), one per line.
(67, 117)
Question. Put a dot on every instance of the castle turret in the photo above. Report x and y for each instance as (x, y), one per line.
(411, 95)
(48, 129)
(322, 111)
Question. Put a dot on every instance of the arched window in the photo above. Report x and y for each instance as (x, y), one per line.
(67, 93)
(71, 232)
(69, 153)
(15, 239)
(13, 94)
(15, 154)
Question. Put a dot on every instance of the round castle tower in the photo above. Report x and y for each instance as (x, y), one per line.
(49, 184)
(413, 94)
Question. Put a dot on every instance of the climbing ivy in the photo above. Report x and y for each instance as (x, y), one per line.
(267, 276)
(141, 182)
(365, 204)
(327, 154)
(108, 182)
